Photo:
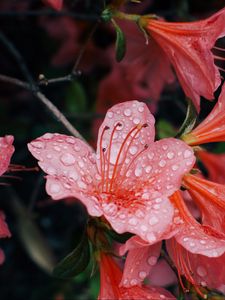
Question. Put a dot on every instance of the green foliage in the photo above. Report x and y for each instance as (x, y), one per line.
(75, 262)
(120, 42)
(164, 129)
(75, 100)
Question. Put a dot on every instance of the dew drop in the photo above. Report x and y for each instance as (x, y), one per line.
(127, 112)
(133, 221)
(187, 153)
(152, 260)
(110, 114)
(201, 271)
(39, 145)
(174, 167)
(170, 155)
(153, 220)
(136, 121)
(151, 237)
(133, 150)
(54, 188)
(138, 171)
(162, 163)
(68, 159)
(142, 274)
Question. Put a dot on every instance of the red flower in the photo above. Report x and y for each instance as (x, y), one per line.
(56, 4)
(215, 165)
(110, 277)
(130, 177)
(188, 47)
(212, 129)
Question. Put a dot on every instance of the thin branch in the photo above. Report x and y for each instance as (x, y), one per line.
(33, 87)
(45, 12)
(51, 107)
(43, 81)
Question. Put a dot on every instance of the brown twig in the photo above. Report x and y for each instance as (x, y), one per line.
(42, 98)
(33, 87)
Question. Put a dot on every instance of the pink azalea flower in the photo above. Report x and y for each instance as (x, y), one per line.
(110, 277)
(188, 46)
(6, 151)
(130, 177)
(186, 236)
(56, 4)
(212, 129)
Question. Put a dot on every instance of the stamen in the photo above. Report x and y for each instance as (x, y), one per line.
(102, 158)
(116, 171)
(120, 152)
(109, 153)
(218, 48)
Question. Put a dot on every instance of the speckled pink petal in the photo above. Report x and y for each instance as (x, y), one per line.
(210, 198)
(196, 238)
(162, 274)
(139, 263)
(6, 151)
(199, 269)
(148, 218)
(124, 134)
(71, 167)
(162, 166)
(110, 277)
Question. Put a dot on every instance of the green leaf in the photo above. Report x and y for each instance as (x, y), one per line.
(75, 262)
(120, 42)
(164, 129)
(190, 119)
(121, 238)
(75, 98)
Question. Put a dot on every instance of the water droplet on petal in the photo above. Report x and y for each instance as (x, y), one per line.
(133, 282)
(162, 163)
(153, 220)
(142, 274)
(68, 159)
(110, 209)
(82, 184)
(148, 169)
(138, 171)
(54, 188)
(170, 155)
(141, 109)
(136, 121)
(175, 167)
(127, 112)
(110, 114)
(151, 237)
(133, 221)
(187, 153)
(201, 271)
(152, 260)
(133, 150)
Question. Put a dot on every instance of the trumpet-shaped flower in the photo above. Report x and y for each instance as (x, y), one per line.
(212, 129)
(130, 177)
(188, 239)
(188, 46)
(110, 277)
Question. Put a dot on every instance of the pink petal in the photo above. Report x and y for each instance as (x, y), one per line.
(6, 151)
(162, 274)
(150, 220)
(162, 165)
(139, 263)
(126, 130)
(71, 168)
(199, 269)
(194, 237)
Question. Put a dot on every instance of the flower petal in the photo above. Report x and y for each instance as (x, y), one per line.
(162, 165)
(126, 130)
(71, 168)
(150, 220)
(56, 4)
(139, 263)
(6, 151)
(4, 230)
(196, 238)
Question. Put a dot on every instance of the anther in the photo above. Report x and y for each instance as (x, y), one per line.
(146, 146)
(145, 125)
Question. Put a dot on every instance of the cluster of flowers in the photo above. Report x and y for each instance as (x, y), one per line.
(136, 184)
